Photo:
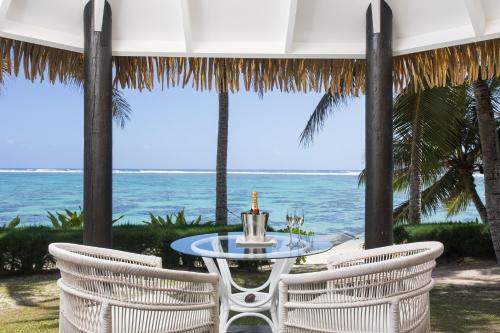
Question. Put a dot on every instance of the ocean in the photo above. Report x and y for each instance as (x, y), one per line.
(332, 200)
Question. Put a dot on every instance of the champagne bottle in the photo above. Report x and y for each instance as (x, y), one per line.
(255, 204)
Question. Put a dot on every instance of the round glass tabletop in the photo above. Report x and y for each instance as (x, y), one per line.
(231, 246)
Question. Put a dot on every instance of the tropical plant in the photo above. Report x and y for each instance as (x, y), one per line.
(70, 219)
(13, 223)
(177, 219)
(221, 163)
(449, 151)
(443, 155)
(120, 107)
(66, 220)
(487, 99)
(329, 103)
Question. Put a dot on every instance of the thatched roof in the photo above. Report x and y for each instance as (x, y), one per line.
(433, 68)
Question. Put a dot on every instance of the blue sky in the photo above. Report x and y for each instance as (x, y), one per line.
(41, 126)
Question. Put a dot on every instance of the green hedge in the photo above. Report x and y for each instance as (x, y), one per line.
(460, 239)
(25, 250)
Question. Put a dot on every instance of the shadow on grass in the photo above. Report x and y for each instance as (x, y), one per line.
(465, 309)
(33, 291)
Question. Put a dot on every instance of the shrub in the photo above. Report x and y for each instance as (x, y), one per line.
(178, 219)
(13, 223)
(24, 250)
(460, 239)
(69, 219)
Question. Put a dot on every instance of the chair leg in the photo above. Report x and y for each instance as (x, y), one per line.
(224, 316)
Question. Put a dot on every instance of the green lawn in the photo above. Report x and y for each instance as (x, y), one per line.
(462, 309)
(30, 304)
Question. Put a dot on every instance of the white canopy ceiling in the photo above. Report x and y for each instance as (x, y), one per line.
(252, 28)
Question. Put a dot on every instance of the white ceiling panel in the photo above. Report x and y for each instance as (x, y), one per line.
(252, 28)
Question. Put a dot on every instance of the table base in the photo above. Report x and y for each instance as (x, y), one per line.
(264, 301)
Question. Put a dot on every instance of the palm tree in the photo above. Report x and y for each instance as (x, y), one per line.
(221, 167)
(436, 145)
(487, 96)
(424, 131)
(449, 156)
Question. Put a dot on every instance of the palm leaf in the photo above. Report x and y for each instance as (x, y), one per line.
(458, 202)
(326, 106)
(13, 223)
(121, 108)
(433, 197)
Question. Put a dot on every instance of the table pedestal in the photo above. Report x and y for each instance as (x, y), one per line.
(264, 301)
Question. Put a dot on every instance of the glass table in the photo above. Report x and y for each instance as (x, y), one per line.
(217, 249)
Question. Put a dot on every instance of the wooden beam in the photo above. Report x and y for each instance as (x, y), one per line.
(290, 25)
(98, 14)
(186, 25)
(476, 15)
(4, 9)
(379, 154)
(98, 129)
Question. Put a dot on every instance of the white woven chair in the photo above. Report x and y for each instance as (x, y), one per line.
(379, 290)
(104, 291)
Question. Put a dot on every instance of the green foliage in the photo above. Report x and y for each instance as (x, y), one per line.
(70, 219)
(177, 219)
(13, 223)
(449, 148)
(325, 108)
(66, 220)
(24, 250)
(295, 231)
(460, 239)
(437, 127)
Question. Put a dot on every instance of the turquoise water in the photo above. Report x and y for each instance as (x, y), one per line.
(332, 200)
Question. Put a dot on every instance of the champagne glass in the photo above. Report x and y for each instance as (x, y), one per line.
(299, 220)
(290, 220)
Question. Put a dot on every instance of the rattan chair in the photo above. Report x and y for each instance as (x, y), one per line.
(379, 290)
(104, 291)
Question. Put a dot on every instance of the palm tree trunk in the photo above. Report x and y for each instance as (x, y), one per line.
(221, 168)
(415, 200)
(491, 159)
(470, 187)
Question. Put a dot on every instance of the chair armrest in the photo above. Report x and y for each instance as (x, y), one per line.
(107, 254)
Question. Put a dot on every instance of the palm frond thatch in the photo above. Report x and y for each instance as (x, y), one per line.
(434, 68)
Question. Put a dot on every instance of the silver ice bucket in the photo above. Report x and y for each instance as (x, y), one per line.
(255, 226)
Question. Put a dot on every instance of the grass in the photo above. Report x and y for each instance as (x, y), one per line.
(464, 310)
(30, 304)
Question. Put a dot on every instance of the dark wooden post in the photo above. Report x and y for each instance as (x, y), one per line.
(97, 165)
(379, 154)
